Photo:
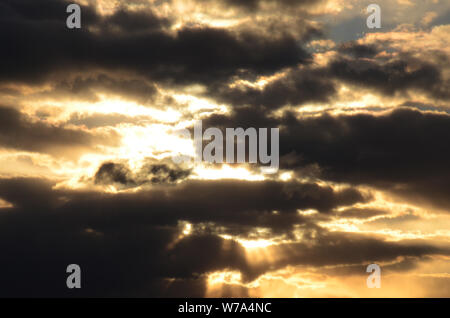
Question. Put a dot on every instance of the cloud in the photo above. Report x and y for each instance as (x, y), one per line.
(129, 21)
(18, 131)
(354, 64)
(188, 55)
(113, 173)
(294, 88)
(240, 204)
(89, 86)
(391, 77)
(338, 248)
(358, 50)
(125, 249)
(151, 173)
(403, 151)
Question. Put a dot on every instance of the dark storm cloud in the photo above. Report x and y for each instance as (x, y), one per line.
(125, 249)
(390, 77)
(234, 203)
(188, 255)
(354, 64)
(110, 173)
(162, 173)
(30, 193)
(126, 245)
(295, 88)
(37, 49)
(358, 50)
(135, 21)
(118, 256)
(404, 151)
(50, 11)
(43, 10)
(227, 202)
(89, 87)
(156, 173)
(18, 131)
(122, 261)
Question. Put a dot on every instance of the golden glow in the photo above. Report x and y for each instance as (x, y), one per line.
(210, 172)
(286, 176)
(187, 229)
(300, 282)
(251, 244)
(307, 212)
(5, 204)
(196, 104)
(224, 277)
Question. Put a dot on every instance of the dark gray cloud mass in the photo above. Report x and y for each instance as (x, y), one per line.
(391, 77)
(317, 85)
(41, 46)
(295, 88)
(130, 244)
(358, 50)
(404, 151)
(352, 65)
(88, 87)
(18, 131)
(152, 173)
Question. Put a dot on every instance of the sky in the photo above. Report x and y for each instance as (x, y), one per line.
(88, 128)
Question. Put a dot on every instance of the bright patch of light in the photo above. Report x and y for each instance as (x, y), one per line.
(307, 212)
(250, 244)
(224, 277)
(205, 172)
(195, 103)
(286, 176)
(187, 229)
(117, 106)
